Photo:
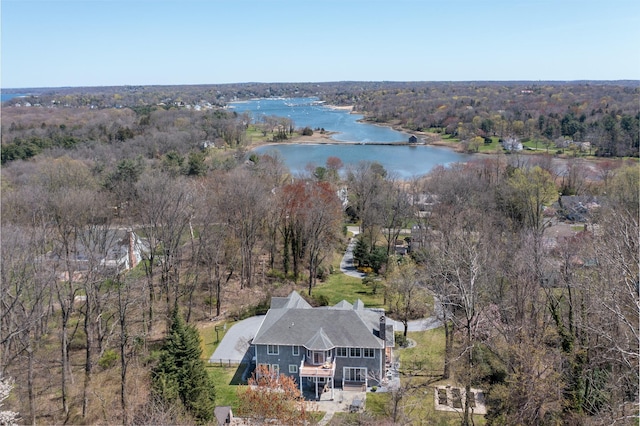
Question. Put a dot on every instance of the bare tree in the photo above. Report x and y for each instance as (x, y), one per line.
(24, 302)
(366, 181)
(395, 212)
(242, 202)
(164, 210)
(322, 214)
(406, 291)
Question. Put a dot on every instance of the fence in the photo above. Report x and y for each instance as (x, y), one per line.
(225, 362)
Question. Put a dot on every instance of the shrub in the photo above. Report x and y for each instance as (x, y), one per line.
(401, 341)
(108, 359)
(321, 300)
(322, 274)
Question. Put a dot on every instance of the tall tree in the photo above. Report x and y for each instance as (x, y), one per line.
(164, 208)
(366, 181)
(241, 203)
(406, 292)
(180, 376)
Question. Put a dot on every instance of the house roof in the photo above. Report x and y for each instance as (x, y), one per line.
(291, 322)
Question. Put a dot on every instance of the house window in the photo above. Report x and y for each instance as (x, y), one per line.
(293, 369)
(295, 350)
(368, 353)
(272, 349)
(341, 352)
(354, 352)
(355, 374)
(275, 370)
(318, 357)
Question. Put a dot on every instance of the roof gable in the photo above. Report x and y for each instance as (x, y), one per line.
(319, 342)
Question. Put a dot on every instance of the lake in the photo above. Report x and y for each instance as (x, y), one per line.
(406, 161)
(310, 112)
(8, 96)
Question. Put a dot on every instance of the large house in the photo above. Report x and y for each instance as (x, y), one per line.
(345, 345)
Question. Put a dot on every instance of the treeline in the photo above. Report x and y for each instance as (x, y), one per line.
(542, 317)
(113, 134)
(604, 114)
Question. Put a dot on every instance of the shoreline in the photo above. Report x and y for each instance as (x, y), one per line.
(428, 139)
(326, 139)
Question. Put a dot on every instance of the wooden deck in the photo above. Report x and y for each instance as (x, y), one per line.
(326, 370)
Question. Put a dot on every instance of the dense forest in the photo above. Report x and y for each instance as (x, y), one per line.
(533, 257)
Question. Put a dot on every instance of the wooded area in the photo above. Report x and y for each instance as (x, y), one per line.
(124, 207)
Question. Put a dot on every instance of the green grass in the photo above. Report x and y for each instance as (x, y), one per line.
(208, 342)
(449, 138)
(225, 378)
(254, 135)
(343, 287)
(538, 145)
(492, 147)
(428, 353)
(377, 403)
(226, 393)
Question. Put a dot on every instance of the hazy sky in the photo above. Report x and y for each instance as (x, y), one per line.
(53, 43)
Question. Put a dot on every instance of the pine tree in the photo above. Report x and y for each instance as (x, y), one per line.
(180, 377)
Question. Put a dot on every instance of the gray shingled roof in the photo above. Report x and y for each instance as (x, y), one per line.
(297, 324)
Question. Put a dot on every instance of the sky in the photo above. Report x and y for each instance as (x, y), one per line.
(59, 43)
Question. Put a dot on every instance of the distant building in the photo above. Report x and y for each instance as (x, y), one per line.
(577, 208)
(511, 144)
(114, 249)
(413, 139)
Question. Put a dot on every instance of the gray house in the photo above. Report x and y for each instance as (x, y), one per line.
(343, 345)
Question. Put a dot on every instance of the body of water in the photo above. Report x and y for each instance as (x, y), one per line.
(9, 96)
(405, 161)
(309, 112)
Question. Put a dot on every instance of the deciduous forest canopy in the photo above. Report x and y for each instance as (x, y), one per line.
(128, 209)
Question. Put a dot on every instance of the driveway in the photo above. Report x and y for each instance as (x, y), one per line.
(346, 265)
(235, 345)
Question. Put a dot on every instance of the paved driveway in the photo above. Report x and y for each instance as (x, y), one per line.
(235, 345)
(346, 265)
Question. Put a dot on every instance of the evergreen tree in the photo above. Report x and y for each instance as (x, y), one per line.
(180, 377)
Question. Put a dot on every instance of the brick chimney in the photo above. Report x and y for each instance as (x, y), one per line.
(383, 329)
(133, 260)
